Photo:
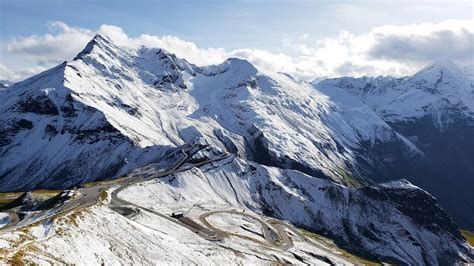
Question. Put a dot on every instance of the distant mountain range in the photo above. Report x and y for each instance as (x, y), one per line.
(434, 111)
(114, 109)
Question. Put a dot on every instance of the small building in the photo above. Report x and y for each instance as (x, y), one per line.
(177, 214)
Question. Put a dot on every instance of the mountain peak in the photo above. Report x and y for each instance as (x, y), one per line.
(234, 61)
(241, 65)
(441, 66)
(316, 80)
(98, 40)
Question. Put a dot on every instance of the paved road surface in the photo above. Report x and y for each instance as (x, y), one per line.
(282, 225)
(279, 239)
(83, 198)
(276, 238)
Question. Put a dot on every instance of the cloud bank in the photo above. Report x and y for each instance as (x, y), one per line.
(384, 50)
(451, 40)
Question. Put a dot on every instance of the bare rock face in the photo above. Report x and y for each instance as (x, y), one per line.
(41, 105)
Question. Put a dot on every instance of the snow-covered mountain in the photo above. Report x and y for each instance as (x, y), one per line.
(93, 118)
(431, 91)
(300, 149)
(434, 109)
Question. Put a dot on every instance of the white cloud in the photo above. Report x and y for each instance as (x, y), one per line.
(181, 48)
(385, 50)
(452, 40)
(61, 44)
(6, 74)
(19, 74)
(115, 33)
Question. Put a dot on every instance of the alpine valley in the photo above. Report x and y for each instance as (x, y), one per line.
(136, 156)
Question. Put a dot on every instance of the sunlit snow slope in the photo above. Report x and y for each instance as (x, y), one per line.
(93, 117)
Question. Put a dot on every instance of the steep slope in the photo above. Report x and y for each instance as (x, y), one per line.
(434, 109)
(46, 134)
(393, 222)
(93, 117)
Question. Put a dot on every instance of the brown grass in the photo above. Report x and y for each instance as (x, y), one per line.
(103, 195)
(17, 259)
(104, 182)
(7, 197)
(46, 194)
(469, 236)
(72, 217)
(20, 257)
(331, 245)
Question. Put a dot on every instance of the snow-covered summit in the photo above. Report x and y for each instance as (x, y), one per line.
(98, 42)
(445, 66)
(449, 81)
(437, 87)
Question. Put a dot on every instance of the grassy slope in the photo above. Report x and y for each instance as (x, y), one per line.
(330, 244)
(6, 197)
(469, 236)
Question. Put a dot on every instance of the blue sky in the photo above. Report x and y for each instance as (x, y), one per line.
(277, 27)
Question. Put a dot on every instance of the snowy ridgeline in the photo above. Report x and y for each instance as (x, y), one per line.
(395, 221)
(430, 92)
(104, 107)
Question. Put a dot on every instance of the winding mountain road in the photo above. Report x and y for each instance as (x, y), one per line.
(206, 233)
(271, 235)
(274, 231)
